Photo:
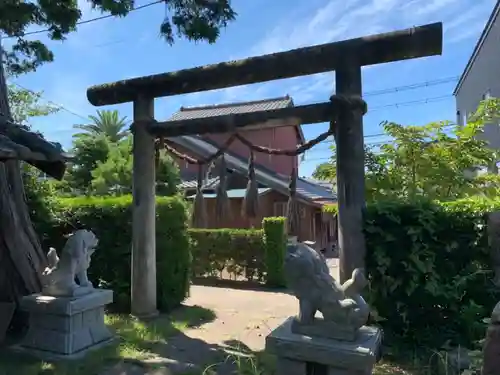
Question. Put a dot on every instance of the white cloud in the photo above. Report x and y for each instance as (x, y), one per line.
(428, 7)
(346, 19)
(466, 25)
(332, 21)
(329, 21)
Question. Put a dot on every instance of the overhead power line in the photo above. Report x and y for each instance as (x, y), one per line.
(90, 20)
(402, 104)
(370, 93)
(412, 102)
(325, 158)
(59, 106)
(396, 105)
(412, 86)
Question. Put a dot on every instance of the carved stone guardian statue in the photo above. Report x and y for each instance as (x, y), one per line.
(67, 318)
(59, 277)
(344, 309)
(340, 342)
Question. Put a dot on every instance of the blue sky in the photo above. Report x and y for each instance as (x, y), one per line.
(114, 49)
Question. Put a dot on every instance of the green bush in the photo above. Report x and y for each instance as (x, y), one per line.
(429, 269)
(40, 200)
(275, 249)
(110, 218)
(240, 252)
(173, 259)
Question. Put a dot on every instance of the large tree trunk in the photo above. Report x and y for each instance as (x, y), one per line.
(21, 255)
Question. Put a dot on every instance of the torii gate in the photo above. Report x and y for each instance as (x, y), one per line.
(345, 58)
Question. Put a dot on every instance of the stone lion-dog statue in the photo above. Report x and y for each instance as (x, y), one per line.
(343, 308)
(58, 279)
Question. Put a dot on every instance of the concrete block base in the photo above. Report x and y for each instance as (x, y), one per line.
(64, 327)
(299, 354)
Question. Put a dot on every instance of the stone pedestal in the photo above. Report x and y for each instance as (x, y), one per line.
(66, 327)
(299, 354)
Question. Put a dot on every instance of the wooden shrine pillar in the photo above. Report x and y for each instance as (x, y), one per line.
(143, 278)
(345, 57)
(350, 173)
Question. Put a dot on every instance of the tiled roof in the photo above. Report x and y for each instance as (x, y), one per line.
(233, 193)
(186, 113)
(324, 184)
(315, 191)
(211, 183)
(306, 190)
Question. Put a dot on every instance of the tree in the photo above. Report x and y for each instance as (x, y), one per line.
(437, 161)
(107, 123)
(25, 104)
(21, 255)
(114, 175)
(87, 152)
(197, 20)
(325, 171)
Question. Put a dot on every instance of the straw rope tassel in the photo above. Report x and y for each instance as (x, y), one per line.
(159, 145)
(293, 214)
(222, 205)
(251, 200)
(199, 215)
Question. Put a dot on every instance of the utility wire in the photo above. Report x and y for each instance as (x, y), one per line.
(412, 86)
(397, 105)
(328, 141)
(58, 106)
(370, 93)
(90, 20)
(379, 143)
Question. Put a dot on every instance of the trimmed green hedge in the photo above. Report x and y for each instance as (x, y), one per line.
(110, 218)
(428, 263)
(239, 252)
(275, 249)
(430, 270)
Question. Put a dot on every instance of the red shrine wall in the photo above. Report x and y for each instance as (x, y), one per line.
(283, 138)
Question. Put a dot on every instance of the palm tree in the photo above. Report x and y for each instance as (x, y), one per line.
(106, 123)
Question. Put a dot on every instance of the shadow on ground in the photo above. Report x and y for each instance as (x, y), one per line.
(156, 347)
(237, 284)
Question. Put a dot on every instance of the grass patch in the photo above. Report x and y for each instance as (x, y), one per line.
(405, 361)
(402, 362)
(138, 340)
(135, 341)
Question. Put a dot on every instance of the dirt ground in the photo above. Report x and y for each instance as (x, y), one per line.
(243, 320)
(243, 315)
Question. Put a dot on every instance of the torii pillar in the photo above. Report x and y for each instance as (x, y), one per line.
(143, 277)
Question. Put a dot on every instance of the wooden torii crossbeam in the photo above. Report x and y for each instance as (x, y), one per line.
(345, 58)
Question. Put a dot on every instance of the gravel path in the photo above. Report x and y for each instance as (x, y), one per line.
(243, 319)
(244, 315)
